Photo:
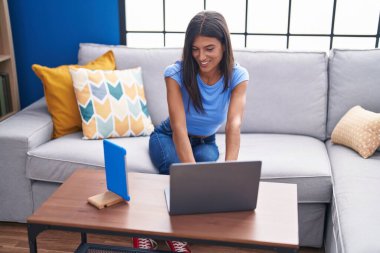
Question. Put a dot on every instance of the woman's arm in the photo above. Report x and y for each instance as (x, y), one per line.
(234, 118)
(178, 121)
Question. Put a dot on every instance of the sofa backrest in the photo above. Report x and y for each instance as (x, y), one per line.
(287, 92)
(354, 79)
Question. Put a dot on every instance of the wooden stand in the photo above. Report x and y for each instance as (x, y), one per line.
(105, 199)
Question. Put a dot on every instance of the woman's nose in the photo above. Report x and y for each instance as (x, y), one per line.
(202, 55)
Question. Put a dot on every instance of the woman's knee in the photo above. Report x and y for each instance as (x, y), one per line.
(161, 148)
(206, 153)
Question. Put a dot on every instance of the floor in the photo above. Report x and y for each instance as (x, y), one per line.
(14, 239)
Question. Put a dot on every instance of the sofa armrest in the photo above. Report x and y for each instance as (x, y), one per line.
(32, 126)
(23, 131)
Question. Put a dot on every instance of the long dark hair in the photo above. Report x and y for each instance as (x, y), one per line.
(209, 24)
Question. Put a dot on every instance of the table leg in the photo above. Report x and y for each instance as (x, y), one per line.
(282, 250)
(83, 236)
(33, 231)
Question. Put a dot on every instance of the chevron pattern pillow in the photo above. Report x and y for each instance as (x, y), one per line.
(111, 103)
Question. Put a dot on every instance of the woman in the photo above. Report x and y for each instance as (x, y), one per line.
(204, 90)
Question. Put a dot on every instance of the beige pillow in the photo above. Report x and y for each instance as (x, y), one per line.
(358, 129)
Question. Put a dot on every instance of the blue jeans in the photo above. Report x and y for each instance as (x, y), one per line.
(162, 150)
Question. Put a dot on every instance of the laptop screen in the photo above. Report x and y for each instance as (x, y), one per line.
(208, 187)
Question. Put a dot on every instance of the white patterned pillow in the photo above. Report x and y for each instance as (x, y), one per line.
(111, 103)
(358, 129)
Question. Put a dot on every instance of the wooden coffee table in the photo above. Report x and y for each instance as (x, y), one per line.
(272, 226)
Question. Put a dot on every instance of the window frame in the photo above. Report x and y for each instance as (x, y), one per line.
(124, 32)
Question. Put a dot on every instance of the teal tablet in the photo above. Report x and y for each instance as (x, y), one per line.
(116, 169)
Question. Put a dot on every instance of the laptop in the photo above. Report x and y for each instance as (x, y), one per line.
(210, 187)
(116, 169)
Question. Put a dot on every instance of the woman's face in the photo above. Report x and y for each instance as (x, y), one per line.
(207, 52)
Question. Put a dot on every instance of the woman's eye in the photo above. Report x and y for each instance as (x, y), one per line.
(210, 49)
(195, 49)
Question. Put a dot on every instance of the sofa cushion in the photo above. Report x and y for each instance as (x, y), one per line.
(274, 78)
(294, 159)
(287, 92)
(355, 200)
(286, 158)
(111, 102)
(354, 79)
(153, 63)
(55, 160)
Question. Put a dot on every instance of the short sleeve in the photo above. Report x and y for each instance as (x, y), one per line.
(174, 71)
(239, 74)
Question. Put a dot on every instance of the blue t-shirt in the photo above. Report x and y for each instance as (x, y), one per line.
(215, 101)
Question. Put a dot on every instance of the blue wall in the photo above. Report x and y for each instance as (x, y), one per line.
(48, 32)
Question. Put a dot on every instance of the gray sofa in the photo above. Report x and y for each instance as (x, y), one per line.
(294, 100)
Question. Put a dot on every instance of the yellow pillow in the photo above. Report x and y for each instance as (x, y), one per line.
(60, 96)
(358, 129)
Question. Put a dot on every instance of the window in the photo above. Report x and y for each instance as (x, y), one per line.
(257, 24)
